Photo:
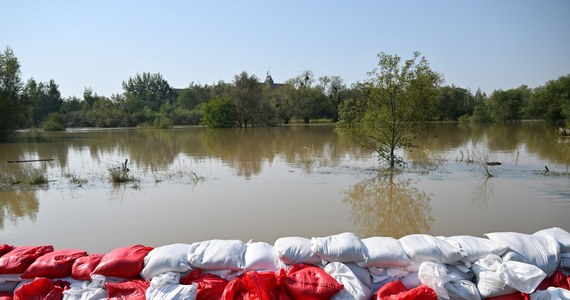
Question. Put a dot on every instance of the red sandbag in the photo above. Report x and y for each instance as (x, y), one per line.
(309, 283)
(558, 280)
(128, 290)
(515, 296)
(20, 258)
(126, 262)
(210, 286)
(6, 296)
(84, 266)
(56, 264)
(5, 248)
(41, 289)
(255, 286)
(396, 290)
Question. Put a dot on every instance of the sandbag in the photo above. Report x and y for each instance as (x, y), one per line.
(217, 255)
(40, 289)
(55, 264)
(5, 248)
(296, 250)
(383, 252)
(169, 258)
(209, 286)
(342, 247)
(562, 237)
(85, 292)
(462, 290)
(552, 293)
(255, 286)
(396, 290)
(538, 250)
(82, 267)
(475, 248)
(309, 283)
(423, 247)
(9, 282)
(361, 273)
(20, 258)
(353, 287)
(6, 296)
(127, 290)
(260, 256)
(125, 262)
(166, 286)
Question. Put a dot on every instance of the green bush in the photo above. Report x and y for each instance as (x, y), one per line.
(54, 122)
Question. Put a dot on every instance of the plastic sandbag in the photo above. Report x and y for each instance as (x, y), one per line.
(383, 252)
(85, 292)
(20, 258)
(217, 255)
(169, 258)
(423, 247)
(126, 262)
(435, 276)
(309, 283)
(342, 247)
(296, 250)
(9, 282)
(40, 289)
(166, 286)
(56, 264)
(353, 287)
(538, 250)
(396, 290)
(462, 290)
(210, 287)
(5, 248)
(521, 276)
(562, 237)
(475, 248)
(131, 290)
(261, 256)
(83, 266)
(552, 293)
(361, 273)
(489, 282)
(255, 286)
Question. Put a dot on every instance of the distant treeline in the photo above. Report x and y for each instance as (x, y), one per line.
(149, 100)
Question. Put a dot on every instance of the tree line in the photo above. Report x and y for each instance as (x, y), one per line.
(148, 100)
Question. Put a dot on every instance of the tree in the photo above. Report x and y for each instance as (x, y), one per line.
(246, 95)
(42, 99)
(508, 105)
(400, 99)
(335, 90)
(548, 101)
(148, 90)
(219, 112)
(11, 106)
(454, 102)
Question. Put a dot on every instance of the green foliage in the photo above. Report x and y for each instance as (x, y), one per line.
(11, 106)
(508, 105)
(219, 112)
(401, 97)
(247, 97)
(43, 99)
(181, 116)
(148, 90)
(53, 122)
(454, 102)
(334, 89)
(551, 101)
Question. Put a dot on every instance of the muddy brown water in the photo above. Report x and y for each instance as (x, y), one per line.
(260, 184)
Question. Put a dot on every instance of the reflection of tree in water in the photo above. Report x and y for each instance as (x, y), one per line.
(16, 204)
(383, 206)
(483, 192)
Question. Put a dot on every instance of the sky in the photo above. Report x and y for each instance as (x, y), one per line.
(487, 44)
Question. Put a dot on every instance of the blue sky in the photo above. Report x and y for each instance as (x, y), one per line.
(98, 44)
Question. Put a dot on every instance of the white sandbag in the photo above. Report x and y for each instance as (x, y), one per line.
(85, 292)
(462, 290)
(342, 247)
(565, 262)
(261, 256)
(435, 276)
(166, 287)
(521, 276)
(552, 293)
(489, 283)
(9, 282)
(562, 237)
(411, 281)
(217, 255)
(168, 258)
(423, 247)
(296, 250)
(475, 248)
(541, 251)
(361, 273)
(460, 271)
(353, 287)
(383, 252)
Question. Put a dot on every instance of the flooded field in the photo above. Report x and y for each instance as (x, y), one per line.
(196, 184)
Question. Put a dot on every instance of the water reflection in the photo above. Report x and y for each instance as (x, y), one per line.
(389, 206)
(483, 192)
(17, 204)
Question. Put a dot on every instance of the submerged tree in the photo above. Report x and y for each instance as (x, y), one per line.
(399, 99)
(11, 106)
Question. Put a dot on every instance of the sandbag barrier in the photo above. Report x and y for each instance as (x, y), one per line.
(504, 265)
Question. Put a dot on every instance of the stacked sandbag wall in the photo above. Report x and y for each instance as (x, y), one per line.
(503, 265)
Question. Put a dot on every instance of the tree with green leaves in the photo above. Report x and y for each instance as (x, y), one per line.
(506, 106)
(549, 101)
(219, 112)
(335, 90)
(454, 102)
(11, 106)
(42, 99)
(148, 90)
(400, 98)
(246, 94)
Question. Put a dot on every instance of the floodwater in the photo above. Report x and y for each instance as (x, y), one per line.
(196, 184)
